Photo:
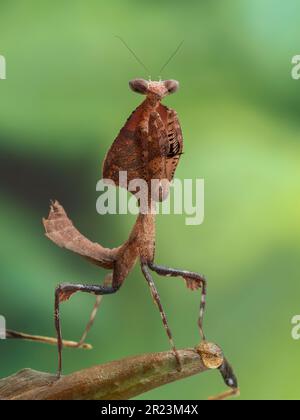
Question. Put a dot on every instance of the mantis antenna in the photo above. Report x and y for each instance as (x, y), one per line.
(171, 57)
(133, 53)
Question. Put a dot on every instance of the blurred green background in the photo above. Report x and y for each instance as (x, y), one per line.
(66, 97)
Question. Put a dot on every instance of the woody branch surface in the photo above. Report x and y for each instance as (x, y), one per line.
(117, 380)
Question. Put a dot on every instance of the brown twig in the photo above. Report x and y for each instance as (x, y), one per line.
(46, 340)
(118, 380)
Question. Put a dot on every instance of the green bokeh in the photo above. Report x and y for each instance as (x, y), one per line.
(64, 100)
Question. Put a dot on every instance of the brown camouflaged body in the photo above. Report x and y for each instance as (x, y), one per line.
(148, 147)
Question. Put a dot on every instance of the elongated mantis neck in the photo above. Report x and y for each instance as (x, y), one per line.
(146, 221)
(143, 235)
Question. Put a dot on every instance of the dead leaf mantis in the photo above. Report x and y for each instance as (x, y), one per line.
(148, 147)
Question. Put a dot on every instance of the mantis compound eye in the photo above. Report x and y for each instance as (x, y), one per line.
(139, 86)
(172, 86)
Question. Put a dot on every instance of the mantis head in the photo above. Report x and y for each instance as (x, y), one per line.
(154, 90)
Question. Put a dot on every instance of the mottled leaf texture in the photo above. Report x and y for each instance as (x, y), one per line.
(163, 147)
(125, 153)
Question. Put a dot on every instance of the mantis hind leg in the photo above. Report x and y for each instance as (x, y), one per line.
(156, 298)
(193, 281)
(107, 282)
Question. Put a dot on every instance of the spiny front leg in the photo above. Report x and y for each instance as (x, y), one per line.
(193, 281)
(156, 298)
(62, 293)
